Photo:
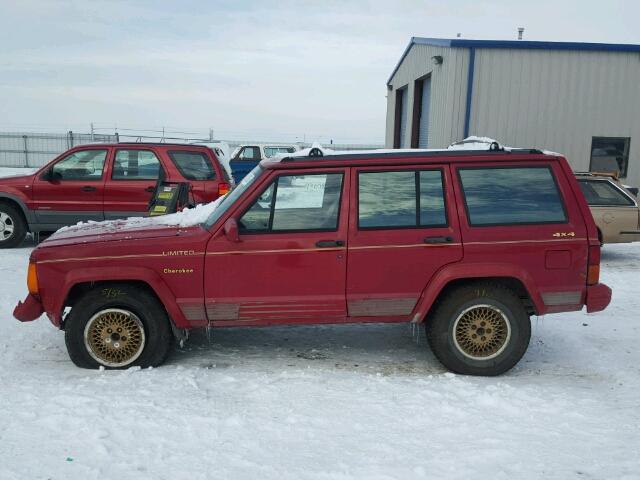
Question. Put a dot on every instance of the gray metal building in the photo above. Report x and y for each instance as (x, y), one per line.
(579, 99)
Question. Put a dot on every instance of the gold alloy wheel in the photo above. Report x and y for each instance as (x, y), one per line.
(114, 337)
(481, 332)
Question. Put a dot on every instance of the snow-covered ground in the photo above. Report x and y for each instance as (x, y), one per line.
(329, 402)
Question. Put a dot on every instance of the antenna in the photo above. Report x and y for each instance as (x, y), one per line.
(520, 32)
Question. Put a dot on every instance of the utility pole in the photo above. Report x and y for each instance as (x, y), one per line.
(92, 137)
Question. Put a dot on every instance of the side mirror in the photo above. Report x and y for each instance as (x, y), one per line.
(47, 175)
(50, 176)
(231, 230)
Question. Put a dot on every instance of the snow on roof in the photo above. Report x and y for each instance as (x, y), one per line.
(470, 143)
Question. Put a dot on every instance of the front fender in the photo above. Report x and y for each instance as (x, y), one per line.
(458, 271)
(54, 304)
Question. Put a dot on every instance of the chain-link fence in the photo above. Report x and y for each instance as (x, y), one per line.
(36, 149)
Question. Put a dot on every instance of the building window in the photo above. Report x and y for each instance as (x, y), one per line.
(511, 196)
(610, 154)
(399, 140)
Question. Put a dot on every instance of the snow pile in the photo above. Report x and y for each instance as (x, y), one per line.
(327, 402)
(189, 217)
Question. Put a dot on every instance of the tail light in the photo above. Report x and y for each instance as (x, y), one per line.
(32, 279)
(223, 188)
(593, 269)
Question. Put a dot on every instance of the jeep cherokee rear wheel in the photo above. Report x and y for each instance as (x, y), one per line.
(13, 228)
(480, 329)
(118, 326)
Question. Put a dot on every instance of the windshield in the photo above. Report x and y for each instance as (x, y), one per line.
(231, 197)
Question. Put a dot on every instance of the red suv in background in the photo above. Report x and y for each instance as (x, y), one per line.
(470, 243)
(102, 182)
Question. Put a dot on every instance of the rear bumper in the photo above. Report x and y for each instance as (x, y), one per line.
(598, 297)
(28, 310)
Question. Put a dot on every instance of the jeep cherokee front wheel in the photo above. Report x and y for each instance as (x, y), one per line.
(118, 326)
(480, 329)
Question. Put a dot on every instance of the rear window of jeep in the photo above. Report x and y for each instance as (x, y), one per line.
(511, 196)
(193, 165)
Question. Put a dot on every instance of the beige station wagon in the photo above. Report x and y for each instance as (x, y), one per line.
(614, 208)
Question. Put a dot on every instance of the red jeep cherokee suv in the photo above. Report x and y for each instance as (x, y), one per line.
(103, 181)
(472, 243)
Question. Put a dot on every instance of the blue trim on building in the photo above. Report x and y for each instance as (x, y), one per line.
(514, 44)
(467, 112)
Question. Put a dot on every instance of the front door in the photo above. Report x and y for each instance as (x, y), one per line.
(131, 182)
(403, 228)
(290, 263)
(72, 189)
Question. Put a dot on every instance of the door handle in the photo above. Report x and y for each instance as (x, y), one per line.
(150, 189)
(431, 240)
(87, 188)
(329, 243)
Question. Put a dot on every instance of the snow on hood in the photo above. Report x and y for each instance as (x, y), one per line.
(189, 217)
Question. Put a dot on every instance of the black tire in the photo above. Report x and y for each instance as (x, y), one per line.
(463, 309)
(157, 340)
(10, 216)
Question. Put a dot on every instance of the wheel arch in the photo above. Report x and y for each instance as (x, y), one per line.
(77, 284)
(458, 275)
(19, 206)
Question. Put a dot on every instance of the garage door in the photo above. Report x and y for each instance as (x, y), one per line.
(423, 132)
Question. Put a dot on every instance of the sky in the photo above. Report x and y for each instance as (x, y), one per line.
(254, 70)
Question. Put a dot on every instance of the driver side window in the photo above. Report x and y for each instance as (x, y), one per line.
(296, 203)
(83, 165)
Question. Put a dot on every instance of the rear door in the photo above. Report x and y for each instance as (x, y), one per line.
(74, 191)
(131, 181)
(521, 218)
(403, 227)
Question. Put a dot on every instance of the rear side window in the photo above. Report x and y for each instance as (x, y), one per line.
(401, 199)
(511, 196)
(193, 165)
(603, 193)
(296, 203)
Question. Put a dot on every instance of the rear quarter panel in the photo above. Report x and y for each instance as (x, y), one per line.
(549, 259)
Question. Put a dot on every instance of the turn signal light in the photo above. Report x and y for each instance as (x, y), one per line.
(223, 188)
(32, 279)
